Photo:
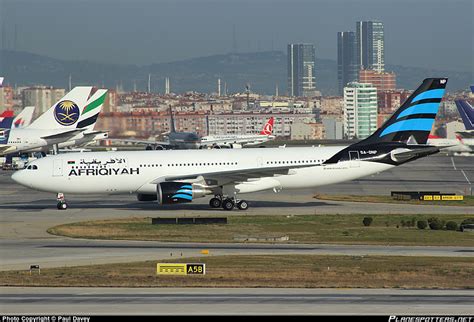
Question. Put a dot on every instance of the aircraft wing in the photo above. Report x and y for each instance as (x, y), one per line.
(4, 148)
(150, 142)
(63, 135)
(238, 175)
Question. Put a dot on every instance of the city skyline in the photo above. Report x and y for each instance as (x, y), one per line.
(145, 32)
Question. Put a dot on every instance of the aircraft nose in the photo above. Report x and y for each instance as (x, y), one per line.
(19, 177)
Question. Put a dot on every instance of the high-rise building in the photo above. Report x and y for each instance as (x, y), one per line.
(347, 64)
(370, 45)
(6, 98)
(383, 81)
(360, 110)
(301, 73)
(389, 100)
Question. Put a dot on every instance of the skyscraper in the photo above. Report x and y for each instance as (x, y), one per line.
(360, 110)
(370, 45)
(347, 64)
(301, 74)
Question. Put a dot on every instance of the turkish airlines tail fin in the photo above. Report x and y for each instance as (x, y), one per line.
(268, 128)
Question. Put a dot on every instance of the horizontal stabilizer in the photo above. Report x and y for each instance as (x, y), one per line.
(63, 135)
(404, 155)
(93, 133)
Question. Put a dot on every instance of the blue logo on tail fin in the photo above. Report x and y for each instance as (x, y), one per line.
(66, 113)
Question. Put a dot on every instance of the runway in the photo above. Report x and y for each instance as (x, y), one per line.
(205, 301)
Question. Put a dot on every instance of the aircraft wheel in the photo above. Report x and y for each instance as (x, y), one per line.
(243, 205)
(62, 205)
(215, 203)
(228, 204)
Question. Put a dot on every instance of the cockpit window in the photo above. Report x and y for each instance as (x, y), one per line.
(32, 167)
(35, 167)
(29, 167)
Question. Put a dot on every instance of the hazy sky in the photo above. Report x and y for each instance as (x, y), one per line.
(427, 33)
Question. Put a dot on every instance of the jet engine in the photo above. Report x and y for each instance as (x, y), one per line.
(180, 192)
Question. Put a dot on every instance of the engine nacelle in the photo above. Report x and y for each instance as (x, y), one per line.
(143, 197)
(180, 192)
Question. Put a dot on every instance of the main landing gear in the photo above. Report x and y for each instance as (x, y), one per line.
(228, 203)
(62, 205)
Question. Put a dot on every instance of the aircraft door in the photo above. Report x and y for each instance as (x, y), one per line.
(354, 159)
(58, 167)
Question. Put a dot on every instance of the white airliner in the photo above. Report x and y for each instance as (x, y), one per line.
(464, 142)
(172, 176)
(242, 140)
(68, 122)
(458, 145)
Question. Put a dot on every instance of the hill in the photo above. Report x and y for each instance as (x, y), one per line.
(262, 70)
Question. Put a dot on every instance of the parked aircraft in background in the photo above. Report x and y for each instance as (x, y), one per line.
(175, 140)
(464, 142)
(219, 141)
(181, 176)
(191, 140)
(458, 145)
(69, 119)
(467, 114)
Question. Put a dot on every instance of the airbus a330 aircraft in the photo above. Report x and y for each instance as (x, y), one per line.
(172, 176)
(219, 141)
(67, 122)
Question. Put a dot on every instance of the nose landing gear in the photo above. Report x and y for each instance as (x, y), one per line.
(62, 205)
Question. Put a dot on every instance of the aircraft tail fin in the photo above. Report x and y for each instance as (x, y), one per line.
(65, 113)
(415, 118)
(23, 119)
(467, 113)
(268, 128)
(6, 119)
(91, 110)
